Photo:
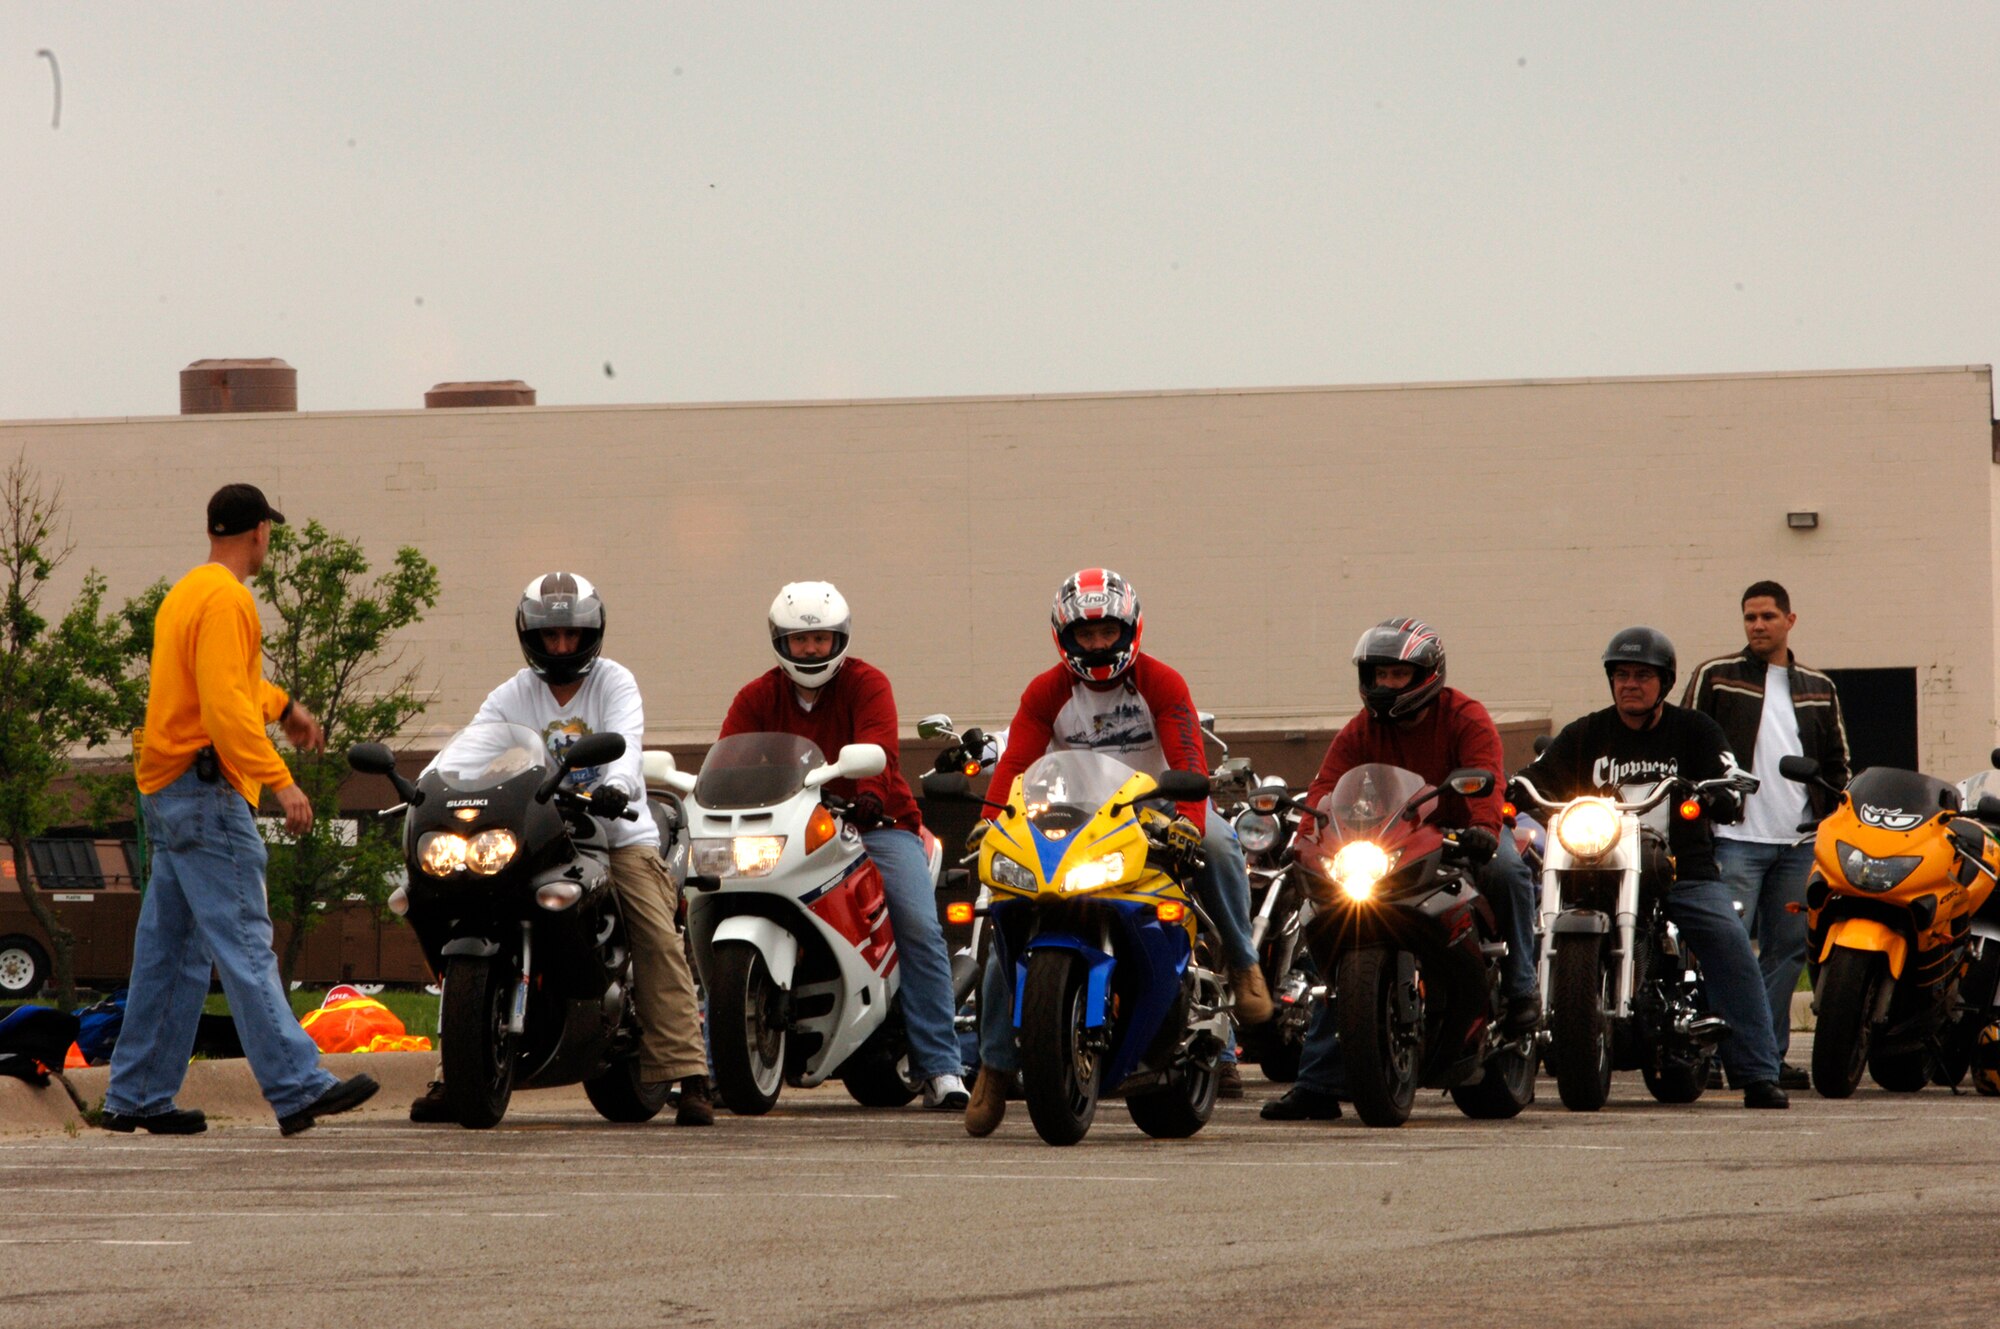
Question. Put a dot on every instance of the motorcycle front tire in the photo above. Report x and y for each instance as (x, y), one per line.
(1060, 1076)
(619, 1094)
(1383, 1062)
(477, 1050)
(1900, 1072)
(1579, 1024)
(1848, 984)
(746, 1044)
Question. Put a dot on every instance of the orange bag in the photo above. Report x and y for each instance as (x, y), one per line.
(350, 1022)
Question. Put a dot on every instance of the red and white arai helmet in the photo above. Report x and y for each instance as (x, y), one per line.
(1097, 595)
(810, 606)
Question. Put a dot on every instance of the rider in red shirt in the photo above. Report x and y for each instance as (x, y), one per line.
(1107, 696)
(819, 692)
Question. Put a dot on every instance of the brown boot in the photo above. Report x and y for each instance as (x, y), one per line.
(695, 1108)
(989, 1102)
(1253, 999)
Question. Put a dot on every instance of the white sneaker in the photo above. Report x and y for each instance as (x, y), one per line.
(945, 1093)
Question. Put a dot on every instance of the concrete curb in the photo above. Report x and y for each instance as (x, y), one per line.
(26, 1109)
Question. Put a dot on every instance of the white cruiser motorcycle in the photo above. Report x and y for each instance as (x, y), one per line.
(789, 924)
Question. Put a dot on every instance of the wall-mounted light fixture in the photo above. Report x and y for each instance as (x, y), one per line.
(1802, 521)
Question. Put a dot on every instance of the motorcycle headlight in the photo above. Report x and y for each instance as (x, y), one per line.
(737, 856)
(1358, 868)
(441, 853)
(1588, 828)
(1257, 832)
(1874, 875)
(1006, 872)
(1096, 874)
(489, 851)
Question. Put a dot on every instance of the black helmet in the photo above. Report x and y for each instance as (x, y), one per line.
(1400, 641)
(560, 600)
(1646, 646)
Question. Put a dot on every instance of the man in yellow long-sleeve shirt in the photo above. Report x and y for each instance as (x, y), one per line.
(204, 759)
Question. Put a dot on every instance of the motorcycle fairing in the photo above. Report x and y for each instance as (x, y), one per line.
(1867, 934)
(1097, 983)
(853, 905)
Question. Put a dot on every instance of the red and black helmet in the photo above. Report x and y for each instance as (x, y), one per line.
(1097, 595)
(1400, 641)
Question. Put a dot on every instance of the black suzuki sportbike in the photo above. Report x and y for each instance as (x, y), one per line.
(510, 895)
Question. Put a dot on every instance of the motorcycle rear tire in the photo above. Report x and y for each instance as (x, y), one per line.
(1900, 1072)
(1848, 984)
(619, 1094)
(1183, 1105)
(1677, 1081)
(877, 1080)
(477, 1050)
(1579, 1024)
(1382, 1064)
(1059, 1077)
(748, 1050)
(1507, 1087)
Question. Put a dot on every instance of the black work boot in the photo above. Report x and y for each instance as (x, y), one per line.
(1765, 1094)
(174, 1121)
(1301, 1104)
(430, 1106)
(1524, 1015)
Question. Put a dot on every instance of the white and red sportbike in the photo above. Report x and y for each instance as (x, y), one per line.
(789, 925)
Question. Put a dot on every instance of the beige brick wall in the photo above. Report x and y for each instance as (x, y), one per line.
(1264, 529)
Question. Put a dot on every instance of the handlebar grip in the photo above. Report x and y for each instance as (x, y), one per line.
(629, 814)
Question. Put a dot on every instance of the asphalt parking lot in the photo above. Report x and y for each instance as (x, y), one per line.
(1876, 1210)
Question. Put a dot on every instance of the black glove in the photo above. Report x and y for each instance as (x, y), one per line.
(1477, 845)
(865, 811)
(1723, 806)
(609, 802)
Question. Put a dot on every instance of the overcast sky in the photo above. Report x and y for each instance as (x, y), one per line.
(740, 201)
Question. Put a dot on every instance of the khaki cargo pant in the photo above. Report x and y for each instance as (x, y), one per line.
(663, 988)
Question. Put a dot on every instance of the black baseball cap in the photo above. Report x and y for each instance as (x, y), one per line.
(238, 508)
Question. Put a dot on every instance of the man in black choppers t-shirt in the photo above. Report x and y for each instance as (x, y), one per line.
(1638, 740)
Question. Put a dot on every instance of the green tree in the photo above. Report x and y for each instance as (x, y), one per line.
(332, 651)
(65, 688)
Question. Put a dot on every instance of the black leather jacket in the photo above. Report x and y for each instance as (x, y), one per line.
(1730, 688)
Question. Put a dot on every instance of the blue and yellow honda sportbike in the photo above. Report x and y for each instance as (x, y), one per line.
(1106, 947)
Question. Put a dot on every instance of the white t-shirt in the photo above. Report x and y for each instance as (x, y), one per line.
(607, 703)
(1772, 814)
(1115, 721)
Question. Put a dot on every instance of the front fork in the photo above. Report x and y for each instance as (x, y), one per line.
(1624, 929)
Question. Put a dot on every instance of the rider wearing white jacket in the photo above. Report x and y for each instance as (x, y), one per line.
(569, 691)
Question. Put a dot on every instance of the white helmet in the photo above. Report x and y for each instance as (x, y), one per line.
(810, 606)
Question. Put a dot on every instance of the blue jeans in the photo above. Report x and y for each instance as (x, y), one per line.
(1735, 989)
(1507, 877)
(1764, 878)
(204, 906)
(926, 984)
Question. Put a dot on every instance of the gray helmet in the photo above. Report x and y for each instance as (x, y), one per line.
(1400, 641)
(560, 600)
(1644, 646)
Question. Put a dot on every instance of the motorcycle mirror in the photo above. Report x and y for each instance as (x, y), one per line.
(662, 773)
(856, 761)
(372, 758)
(1996, 759)
(1802, 769)
(376, 759)
(594, 750)
(1543, 743)
(1205, 718)
(936, 726)
(1988, 810)
(1182, 786)
(946, 784)
(1470, 782)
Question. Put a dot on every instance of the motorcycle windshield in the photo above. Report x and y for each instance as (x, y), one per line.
(482, 756)
(1064, 790)
(1367, 799)
(756, 770)
(1899, 800)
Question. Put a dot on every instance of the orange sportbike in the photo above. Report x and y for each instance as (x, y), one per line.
(1900, 868)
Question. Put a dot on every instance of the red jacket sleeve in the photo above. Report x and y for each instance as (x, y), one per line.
(1476, 743)
(1028, 734)
(1177, 724)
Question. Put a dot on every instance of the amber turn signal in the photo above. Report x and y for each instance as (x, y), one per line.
(971, 766)
(958, 913)
(1690, 810)
(1171, 911)
(819, 829)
